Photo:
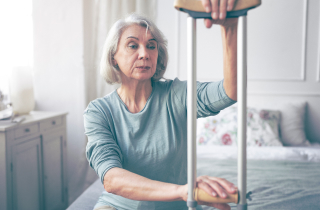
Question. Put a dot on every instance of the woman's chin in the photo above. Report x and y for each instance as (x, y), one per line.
(143, 76)
(138, 78)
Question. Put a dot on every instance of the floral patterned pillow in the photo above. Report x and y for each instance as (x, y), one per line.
(262, 128)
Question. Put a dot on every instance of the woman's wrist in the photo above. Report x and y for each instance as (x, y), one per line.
(229, 30)
(182, 191)
(230, 25)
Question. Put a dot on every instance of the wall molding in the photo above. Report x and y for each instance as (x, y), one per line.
(177, 43)
(302, 79)
(318, 74)
(310, 94)
(318, 69)
(304, 53)
(304, 39)
(201, 79)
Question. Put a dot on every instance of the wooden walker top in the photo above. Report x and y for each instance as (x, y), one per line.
(195, 9)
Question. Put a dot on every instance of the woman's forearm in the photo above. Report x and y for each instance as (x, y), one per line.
(229, 42)
(133, 186)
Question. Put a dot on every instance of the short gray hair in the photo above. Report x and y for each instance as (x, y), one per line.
(109, 72)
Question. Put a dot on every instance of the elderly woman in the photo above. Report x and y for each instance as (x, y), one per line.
(137, 135)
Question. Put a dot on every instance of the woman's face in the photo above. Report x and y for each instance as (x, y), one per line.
(137, 54)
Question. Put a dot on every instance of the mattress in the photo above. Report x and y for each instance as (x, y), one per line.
(278, 177)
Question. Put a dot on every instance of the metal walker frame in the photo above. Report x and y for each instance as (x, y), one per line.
(242, 105)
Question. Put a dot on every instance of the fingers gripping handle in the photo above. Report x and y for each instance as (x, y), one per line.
(201, 195)
(195, 9)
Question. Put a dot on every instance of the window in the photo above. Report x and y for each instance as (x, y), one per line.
(16, 38)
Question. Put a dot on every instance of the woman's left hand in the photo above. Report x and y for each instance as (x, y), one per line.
(218, 10)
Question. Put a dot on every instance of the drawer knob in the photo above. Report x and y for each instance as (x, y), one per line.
(27, 130)
(53, 122)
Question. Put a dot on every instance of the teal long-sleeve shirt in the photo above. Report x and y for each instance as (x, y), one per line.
(151, 143)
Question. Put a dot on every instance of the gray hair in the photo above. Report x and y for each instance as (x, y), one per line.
(109, 72)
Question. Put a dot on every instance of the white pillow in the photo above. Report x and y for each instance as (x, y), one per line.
(292, 124)
(262, 129)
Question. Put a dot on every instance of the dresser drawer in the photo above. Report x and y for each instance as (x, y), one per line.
(52, 123)
(26, 130)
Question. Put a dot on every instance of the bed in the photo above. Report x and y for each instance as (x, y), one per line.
(283, 166)
(279, 178)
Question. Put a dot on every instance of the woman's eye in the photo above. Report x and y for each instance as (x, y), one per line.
(133, 46)
(152, 47)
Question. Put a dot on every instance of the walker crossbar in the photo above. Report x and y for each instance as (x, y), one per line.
(240, 10)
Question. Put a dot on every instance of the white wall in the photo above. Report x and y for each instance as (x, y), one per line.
(283, 53)
(63, 73)
(58, 75)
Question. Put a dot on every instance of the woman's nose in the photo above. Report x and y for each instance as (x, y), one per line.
(143, 53)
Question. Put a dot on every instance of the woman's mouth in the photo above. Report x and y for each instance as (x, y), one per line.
(143, 67)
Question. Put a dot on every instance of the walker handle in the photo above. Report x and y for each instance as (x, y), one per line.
(195, 9)
(201, 195)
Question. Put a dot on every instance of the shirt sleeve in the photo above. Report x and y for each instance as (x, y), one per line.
(211, 97)
(102, 151)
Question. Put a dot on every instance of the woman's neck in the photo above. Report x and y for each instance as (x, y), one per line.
(135, 94)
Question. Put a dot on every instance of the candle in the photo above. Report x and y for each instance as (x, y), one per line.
(21, 90)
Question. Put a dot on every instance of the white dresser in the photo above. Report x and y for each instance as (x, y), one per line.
(33, 163)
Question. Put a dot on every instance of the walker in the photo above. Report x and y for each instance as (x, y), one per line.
(195, 10)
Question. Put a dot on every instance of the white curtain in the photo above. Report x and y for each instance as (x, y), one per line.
(98, 20)
(99, 15)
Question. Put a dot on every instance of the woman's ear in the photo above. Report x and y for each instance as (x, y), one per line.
(114, 62)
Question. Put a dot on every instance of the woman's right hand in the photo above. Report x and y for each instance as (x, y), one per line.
(213, 186)
(218, 10)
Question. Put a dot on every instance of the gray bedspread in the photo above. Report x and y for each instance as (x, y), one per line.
(274, 184)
